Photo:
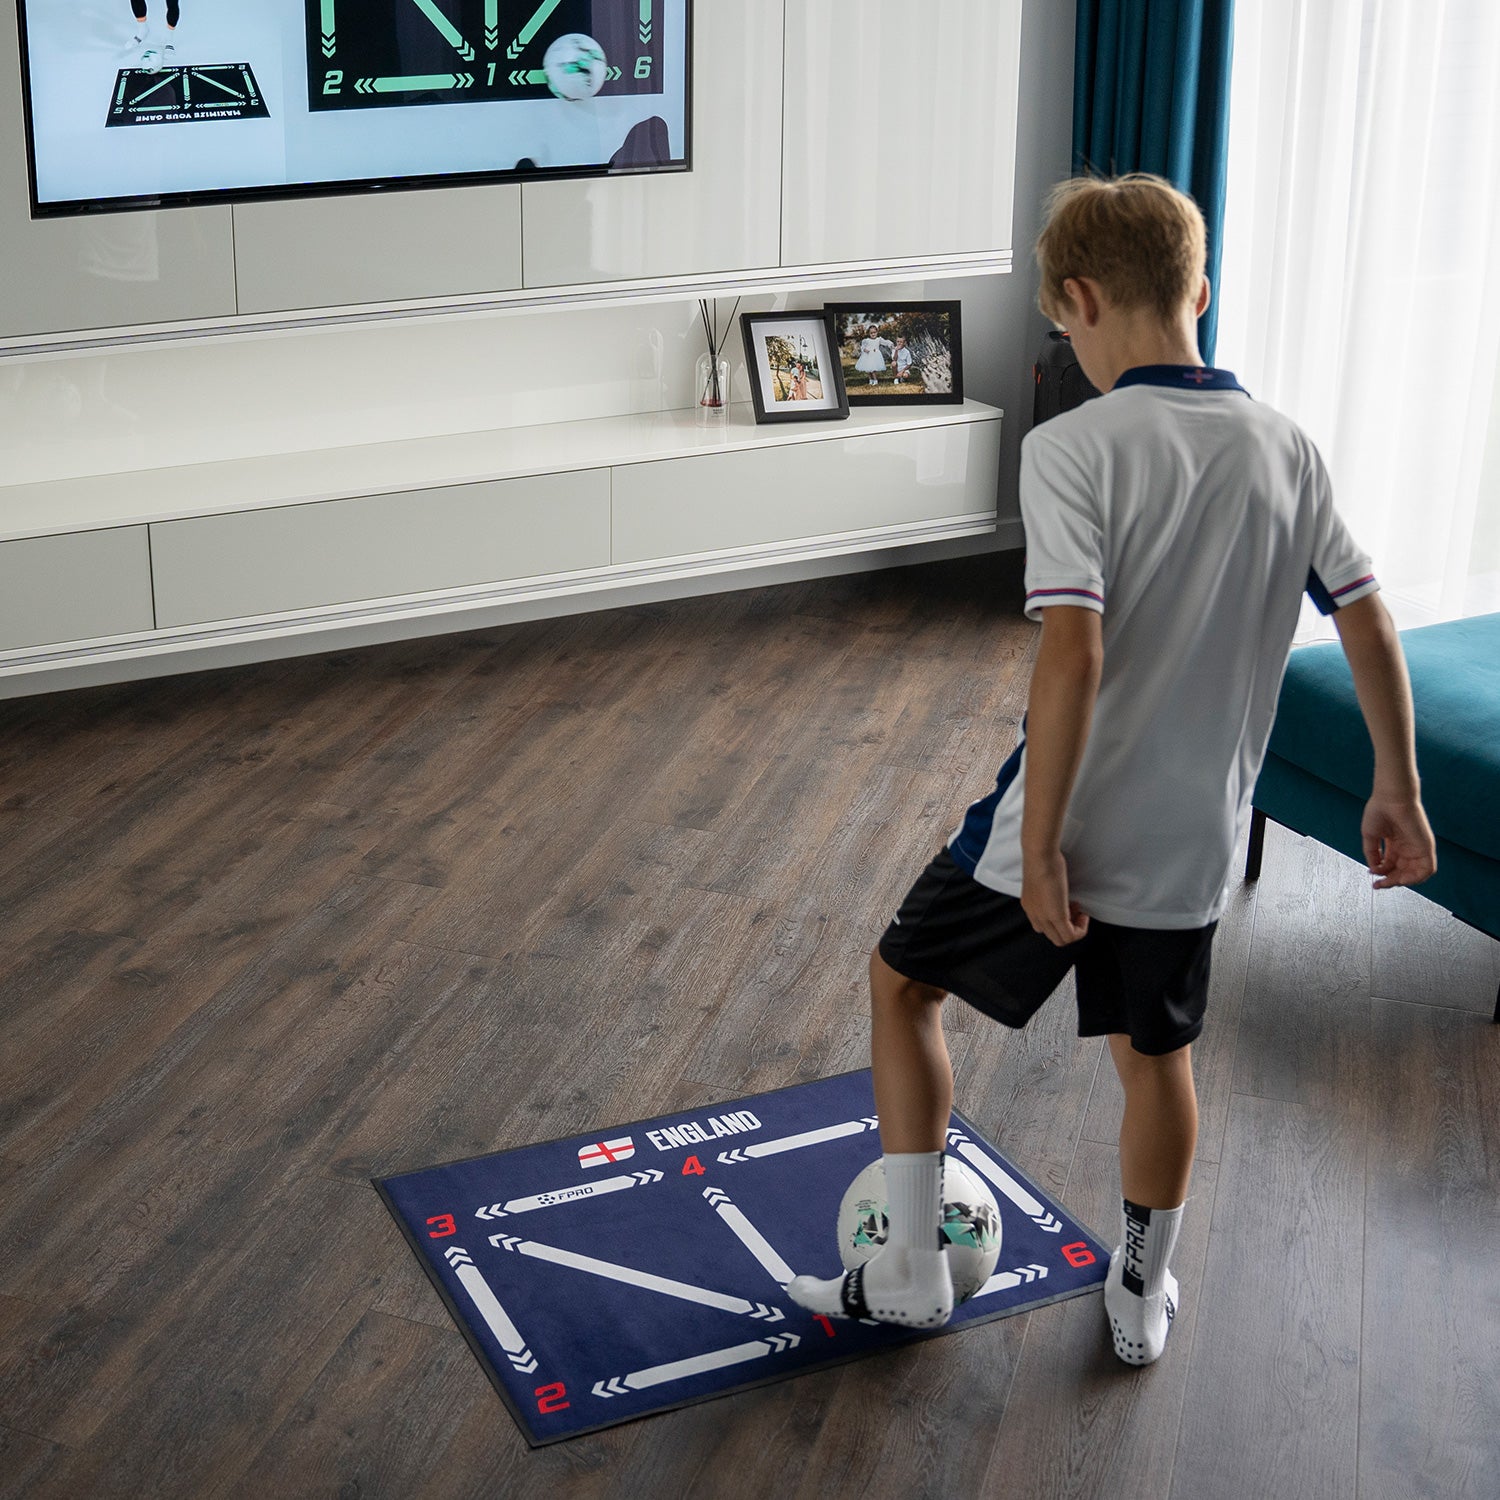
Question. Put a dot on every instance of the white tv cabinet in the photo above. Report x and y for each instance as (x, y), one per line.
(139, 574)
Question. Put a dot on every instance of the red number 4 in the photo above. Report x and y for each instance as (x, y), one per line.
(1078, 1254)
(692, 1167)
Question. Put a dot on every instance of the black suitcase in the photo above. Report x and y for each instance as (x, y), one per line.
(1060, 382)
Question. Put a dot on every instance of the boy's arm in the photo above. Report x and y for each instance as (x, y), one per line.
(1397, 840)
(1064, 685)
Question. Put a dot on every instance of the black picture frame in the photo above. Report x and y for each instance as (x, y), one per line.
(772, 384)
(947, 385)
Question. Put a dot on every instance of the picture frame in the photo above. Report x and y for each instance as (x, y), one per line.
(879, 343)
(794, 369)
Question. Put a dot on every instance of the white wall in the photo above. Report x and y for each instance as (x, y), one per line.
(151, 405)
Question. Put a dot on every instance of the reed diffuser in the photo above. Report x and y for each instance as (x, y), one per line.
(712, 380)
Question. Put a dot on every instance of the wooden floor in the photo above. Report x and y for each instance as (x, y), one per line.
(270, 931)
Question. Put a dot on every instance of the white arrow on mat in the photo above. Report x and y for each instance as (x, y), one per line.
(749, 1236)
(1002, 1281)
(631, 1277)
(697, 1364)
(1038, 1213)
(575, 1192)
(496, 1319)
(797, 1142)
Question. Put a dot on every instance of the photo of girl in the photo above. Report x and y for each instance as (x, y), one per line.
(900, 351)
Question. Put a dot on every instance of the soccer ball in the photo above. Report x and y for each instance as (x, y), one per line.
(574, 65)
(971, 1224)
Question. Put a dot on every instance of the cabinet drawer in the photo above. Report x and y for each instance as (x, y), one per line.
(75, 587)
(682, 506)
(296, 557)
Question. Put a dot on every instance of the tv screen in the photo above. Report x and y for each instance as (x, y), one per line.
(154, 103)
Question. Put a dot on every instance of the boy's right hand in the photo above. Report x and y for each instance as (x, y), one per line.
(1398, 842)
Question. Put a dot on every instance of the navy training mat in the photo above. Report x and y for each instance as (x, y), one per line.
(609, 1276)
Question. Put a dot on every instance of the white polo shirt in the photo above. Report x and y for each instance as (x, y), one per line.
(1191, 518)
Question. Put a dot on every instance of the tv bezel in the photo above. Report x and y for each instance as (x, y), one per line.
(343, 187)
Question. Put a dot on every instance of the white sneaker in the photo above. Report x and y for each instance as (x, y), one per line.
(1138, 1325)
(151, 60)
(169, 54)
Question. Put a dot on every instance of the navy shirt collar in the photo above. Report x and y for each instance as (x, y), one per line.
(1181, 377)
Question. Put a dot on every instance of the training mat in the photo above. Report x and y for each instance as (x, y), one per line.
(632, 1270)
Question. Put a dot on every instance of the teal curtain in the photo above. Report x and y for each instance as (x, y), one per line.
(1151, 94)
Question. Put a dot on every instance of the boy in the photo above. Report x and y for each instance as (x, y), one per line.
(1171, 527)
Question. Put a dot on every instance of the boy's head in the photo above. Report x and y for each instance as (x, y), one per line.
(1139, 239)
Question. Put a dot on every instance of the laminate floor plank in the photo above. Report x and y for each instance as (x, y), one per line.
(1279, 1306)
(122, 1015)
(1422, 959)
(1078, 1423)
(24, 1463)
(354, 1431)
(1028, 1090)
(220, 1367)
(1430, 1383)
(1303, 1037)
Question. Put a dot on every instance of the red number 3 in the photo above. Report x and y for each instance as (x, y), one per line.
(445, 1226)
(549, 1398)
(1078, 1254)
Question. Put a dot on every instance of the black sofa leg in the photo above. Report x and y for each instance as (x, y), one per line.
(1258, 844)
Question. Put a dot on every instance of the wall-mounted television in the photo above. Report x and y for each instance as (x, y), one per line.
(157, 103)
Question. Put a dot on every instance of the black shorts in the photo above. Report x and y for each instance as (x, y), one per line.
(978, 944)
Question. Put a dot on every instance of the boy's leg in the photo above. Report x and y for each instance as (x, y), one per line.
(909, 1061)
(1158, 1136)
(907, 1281)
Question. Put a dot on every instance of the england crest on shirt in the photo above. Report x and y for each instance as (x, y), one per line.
(602, 1153)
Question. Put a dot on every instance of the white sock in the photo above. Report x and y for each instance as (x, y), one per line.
(1148, 1237)
(914, 1195)
(1141, 1296)
(907, 1280)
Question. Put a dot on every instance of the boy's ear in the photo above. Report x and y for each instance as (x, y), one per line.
(1083, 296)
(1205, 296)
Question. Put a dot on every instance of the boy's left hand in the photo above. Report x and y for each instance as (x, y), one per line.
(1044, 899)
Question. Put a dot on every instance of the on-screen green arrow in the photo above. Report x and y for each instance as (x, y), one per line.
(412, 82)
(136, 102)
(521, 76)
(534, 25)
(209, 78)
(492, 24)
(445, 26)
(328, 23)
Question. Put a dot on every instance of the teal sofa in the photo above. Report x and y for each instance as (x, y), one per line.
(1319, 763)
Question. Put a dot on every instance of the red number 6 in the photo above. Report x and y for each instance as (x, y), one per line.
(1078, 1254)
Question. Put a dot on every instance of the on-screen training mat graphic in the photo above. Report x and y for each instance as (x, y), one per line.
(643, 1267)
(293, 97)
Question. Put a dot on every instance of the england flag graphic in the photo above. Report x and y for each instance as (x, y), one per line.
(601, 1153)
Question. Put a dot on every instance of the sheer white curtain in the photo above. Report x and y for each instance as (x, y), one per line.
(1361, 272)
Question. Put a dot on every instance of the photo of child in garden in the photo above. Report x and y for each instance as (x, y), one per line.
(902, 351)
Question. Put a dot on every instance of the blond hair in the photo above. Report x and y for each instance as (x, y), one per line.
(1140, 238)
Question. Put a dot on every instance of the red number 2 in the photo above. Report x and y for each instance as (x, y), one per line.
(445, 1226)
(549, 1398)
(1078, 1254)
